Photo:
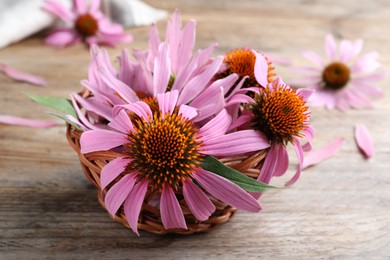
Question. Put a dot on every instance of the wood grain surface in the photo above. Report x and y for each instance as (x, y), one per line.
(339, 209)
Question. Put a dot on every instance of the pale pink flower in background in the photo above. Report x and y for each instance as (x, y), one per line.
(343, 80)
(84, 23)
(163, 150)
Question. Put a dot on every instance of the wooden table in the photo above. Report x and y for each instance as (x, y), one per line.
(338, 209)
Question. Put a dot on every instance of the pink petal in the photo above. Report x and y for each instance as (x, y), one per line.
(299, 153)
(305, 93)
(322, 153)
(121, 88)
(133, 204)
(346, 51)
(188, 112)
(199, 204)
(162, 69)
(62, 38)
(330, 47)
(98, 108)
(167, 101)
(112, 170)
(122, 122)
(140, 108)
(314, 57)
(309, 133)
(22, 76)
(186, 45)
(198, 83)
(236, 88)
(94, 6)
(261, 69)
(81, 115)
(205, 55)
(275, 164)
(173, 37)
(80, 6)
(101, 140)
(154, 40)
(14, 120)
(117, 194)
(226, 191)
(364, 140)
(216, 127)
(171, 213)
(236, 143)
(58, 10)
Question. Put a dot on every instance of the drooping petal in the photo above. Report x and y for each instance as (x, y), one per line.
(101, 140)
(261, 69)
(275, 164)
(122, 122)
(309, 133)
(321, 154)
(22, 76)
(162, 69)
(112, 170)
(133, 204)
(226, 191)
(364, 140)
(171, 213)
(199, 204)
(15, 120)
(299, 153)
(96, 107)
(167, 101)
(236, 143)
(117, 194)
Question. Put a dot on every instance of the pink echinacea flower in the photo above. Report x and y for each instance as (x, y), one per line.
(162, 152)
(344, 80)
(87, 24)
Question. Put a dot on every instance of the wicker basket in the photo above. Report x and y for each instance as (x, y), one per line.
(150, 219)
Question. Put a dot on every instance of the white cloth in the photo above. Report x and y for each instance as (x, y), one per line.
(22, 18)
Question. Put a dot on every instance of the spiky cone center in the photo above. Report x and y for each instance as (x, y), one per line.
(86, 25)
(164, 150)
(280, 114)
(242, 62)
(336, 76)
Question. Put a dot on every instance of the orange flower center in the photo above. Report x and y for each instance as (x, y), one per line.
(280, 114)
(336, 75)
(164, 150)
(242, 61)
(86, 25)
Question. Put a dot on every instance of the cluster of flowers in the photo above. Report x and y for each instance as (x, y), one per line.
(170, 107)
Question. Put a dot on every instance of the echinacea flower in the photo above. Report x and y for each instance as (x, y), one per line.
(163, 151)
(242, 62)
(343, 80)
(281, 114)
(87, 24)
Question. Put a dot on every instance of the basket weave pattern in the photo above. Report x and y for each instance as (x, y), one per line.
(150, 218)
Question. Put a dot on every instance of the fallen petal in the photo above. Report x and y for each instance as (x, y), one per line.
(22, 76)
(14, 120)
(364, 140)
(319, 155)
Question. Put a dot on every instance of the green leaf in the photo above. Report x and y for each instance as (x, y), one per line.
(60, 104)
(65, 119)
(214, 165)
